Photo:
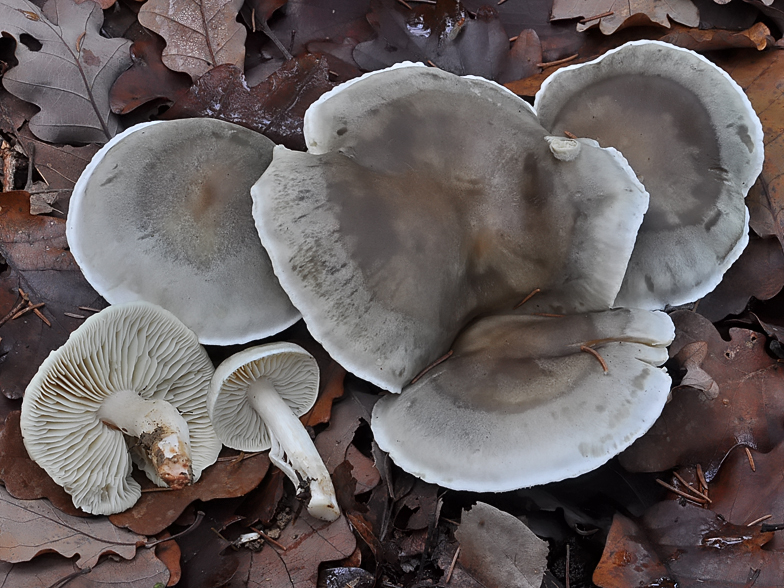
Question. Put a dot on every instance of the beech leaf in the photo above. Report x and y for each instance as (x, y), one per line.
(614, 14)
(200, 34)
(30, 527)
(70, 76)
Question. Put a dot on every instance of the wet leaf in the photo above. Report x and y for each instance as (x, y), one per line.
(147, 79)
(169, 553)
(30, 527)
(51, 571)
(499, 550)
(35, 250)
(625, 13)
(200, 35)
(275, 107)
(696, 428)
(225, 479)
(697, 39)
(22, 477)
(70, 77)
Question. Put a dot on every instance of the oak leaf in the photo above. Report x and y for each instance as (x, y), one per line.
(200, 34)
(30, 527)
(70, 76)
(612, 15)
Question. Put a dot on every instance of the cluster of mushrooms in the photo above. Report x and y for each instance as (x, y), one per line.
(426, 209)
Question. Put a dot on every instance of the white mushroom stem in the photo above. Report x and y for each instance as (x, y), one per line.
(161, 430)
(287, 432)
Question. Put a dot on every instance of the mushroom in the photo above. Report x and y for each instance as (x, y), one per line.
(255, 399)
(131, 372)
(692, 136)
(426, 199)
(526, 400)
(163, 213)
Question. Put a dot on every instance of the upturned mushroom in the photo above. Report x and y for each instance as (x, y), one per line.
(692, 136)
(527, 400)
(163, 214)
(426, 199)
(133, 375)
(255, 399)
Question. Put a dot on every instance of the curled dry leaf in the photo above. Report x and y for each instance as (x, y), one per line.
(200, 34)
(30, 527)
(612, 15)
(696, 39)
(70, 77)
(170, 554)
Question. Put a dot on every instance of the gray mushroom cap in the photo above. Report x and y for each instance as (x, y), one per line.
(692, 136)
(426, 199)
(519, 403)
(163, 213)
(137, 348)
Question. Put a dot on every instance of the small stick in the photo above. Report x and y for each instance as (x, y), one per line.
(431, 64)
(241, 456)
(595, 353)
(597, 17)
(548, 314)
(41, 316)
(701, 476)
(546, 64)
(268, 538)
(751, 459)
(533, 293)
(67, 579)
(690, 487)
(27, 309)
(89, 309)
(513, 39)
(406, 4)
(74, 315)
(199, 517)
(12, 312)
(570, 135)
(452, 566)
(680, 492)
(156, 489)
(441, 359)
(500, 2)
(759, 520)
(272, 37)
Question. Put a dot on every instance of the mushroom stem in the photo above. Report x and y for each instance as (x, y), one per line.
(161, 430)
(302, 458)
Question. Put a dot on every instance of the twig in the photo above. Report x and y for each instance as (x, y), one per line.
(548, 314)
(441, 359)
(406, 4)
(690, 487)
(680, 492)
(12, 312)
(701, 477)
(268, 539)
(759, 520)
(156, 489)
(533, 293)
(89, 309)
(595, 353)
(268, 31)
(452, 566)
(597, 17)
(194, 524)
(570, 135)
(546, 64)
(63, 581)
(751, 459)
(26, 309)
(74, 315)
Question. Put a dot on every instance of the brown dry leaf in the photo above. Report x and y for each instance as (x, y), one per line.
(275, 108)
(760, 75)
(308, 542)
(52, 571)
(225, 479)
(364, 470)
(500, 550)
(697, 39)
(23, 478)
(759, 272)
(36, 252)
(170, 554)
(30, 527)
(147, 79)
(690, 358)
(694, 428)
(347, 415)
(625, 13)
(200, 35)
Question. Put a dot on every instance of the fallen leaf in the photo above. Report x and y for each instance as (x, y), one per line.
(169, 553)
(276, 107)
(14, 112)
(333, 442)
(697, 429)
(364, 470)
(733, 16)
(612, 15)
(261, 504)
(70, 77)
(30, 527)
(200, 35)
(773, 9)
(147, 79)
(500, 550)
(225, 479)
(22, 477)
(759, 272)
(690, 358)
(308, 542)
(36, 252)
(697, 39)
(52, 571)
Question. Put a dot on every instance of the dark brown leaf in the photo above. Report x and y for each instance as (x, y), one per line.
(697, 39)
(169, 553)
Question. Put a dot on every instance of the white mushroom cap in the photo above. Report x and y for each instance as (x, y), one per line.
(694, 140)
(133, 348)
(163, 213)
(427, 199)
(519, 403)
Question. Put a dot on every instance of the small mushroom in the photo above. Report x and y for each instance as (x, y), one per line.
(163, 213)
(255, 399)
(427, 199)
(692, 136)
(526, 400)
(131, 372)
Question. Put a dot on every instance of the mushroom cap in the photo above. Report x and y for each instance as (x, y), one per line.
(136, 346)
(427, 199)
(694, 140)
(288, 367)
(518, 404)
(163, 213)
